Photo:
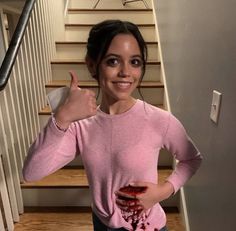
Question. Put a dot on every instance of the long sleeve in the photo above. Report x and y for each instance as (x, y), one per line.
(184, 151)
(50, 151)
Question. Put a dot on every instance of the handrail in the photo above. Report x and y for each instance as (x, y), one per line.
(15, 43)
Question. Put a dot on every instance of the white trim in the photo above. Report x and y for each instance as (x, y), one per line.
(184, 210)
(163, 74)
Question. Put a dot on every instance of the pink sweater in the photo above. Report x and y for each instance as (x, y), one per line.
(116, 150)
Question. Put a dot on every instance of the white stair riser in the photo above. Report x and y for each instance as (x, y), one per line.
(69, 197)
(81, 33)
(107, 4)
(56, 197)
(77, 51)
(94, 17)
(61, 72)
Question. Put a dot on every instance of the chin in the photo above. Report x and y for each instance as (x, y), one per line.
(123, 96)
(118, 95)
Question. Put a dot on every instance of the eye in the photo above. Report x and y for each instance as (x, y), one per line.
(112, 62)
(136, 62)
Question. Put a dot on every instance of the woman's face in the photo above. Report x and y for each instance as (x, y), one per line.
(121, 68)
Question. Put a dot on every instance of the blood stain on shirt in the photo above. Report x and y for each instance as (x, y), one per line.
(133, 214)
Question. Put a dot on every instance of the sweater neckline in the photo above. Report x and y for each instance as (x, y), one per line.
(131, 110)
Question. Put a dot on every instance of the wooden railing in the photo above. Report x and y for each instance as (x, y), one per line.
(23, 74)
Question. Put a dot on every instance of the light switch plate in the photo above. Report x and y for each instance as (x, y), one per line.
(215, 106)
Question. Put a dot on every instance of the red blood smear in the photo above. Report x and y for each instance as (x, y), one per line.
(133, 190)
(133, 215)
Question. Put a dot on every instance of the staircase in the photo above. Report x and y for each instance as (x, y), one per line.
(61, 201)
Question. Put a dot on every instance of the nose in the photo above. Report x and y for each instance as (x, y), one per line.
(124, 70)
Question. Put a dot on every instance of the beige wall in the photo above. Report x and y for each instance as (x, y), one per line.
(199, 49)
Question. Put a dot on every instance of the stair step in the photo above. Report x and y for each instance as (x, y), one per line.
(63, 178)
(76, 10)
(72, 50)
(108, 4)
(55, 218)
(60, 69)
(152, 91)
(137, 16)
(81, 62)
(69, 187)
(61, 72)
(76, 218)
(79, 32)
(94, 84)
(74, 178)
(85, 43)
(92, 24)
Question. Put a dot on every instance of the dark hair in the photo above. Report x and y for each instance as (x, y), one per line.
(100, 38)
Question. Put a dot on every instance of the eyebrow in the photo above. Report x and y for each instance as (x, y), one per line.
(119, 56)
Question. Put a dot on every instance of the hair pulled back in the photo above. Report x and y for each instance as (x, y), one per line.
(100, 38)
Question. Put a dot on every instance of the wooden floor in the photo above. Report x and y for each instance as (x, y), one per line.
(76, 219)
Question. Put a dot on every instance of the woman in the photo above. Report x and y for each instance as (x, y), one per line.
(119, 141)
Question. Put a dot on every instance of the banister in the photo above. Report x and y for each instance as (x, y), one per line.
(12, 51)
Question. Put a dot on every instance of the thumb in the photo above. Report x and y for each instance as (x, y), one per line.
(74, 80)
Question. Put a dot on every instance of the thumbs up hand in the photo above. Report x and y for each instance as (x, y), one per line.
(80, 104)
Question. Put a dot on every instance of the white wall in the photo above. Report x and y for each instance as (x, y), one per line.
(198, 41)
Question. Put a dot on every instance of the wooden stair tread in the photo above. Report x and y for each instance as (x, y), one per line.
(75, 10)
(92, 24)
(85, 43)
(74, 178)
(94, 84)
(75, 61)
(57, 218)
(60, 179)
(76, 218)
(47, 110)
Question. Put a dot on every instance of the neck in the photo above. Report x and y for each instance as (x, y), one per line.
(117, 107)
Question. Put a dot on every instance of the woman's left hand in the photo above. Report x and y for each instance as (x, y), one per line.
(153, 194)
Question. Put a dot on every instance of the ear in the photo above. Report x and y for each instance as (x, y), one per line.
(91, 65)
